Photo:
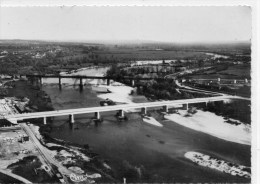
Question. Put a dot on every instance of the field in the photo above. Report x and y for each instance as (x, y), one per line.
(20, 57)
(139, 54)
(238, 71)
(230, 72)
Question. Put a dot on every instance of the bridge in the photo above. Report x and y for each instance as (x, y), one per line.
(38, 78)
(222, 81)
(120, 108)
(132, 80)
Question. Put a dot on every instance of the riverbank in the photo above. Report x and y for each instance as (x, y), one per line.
(133, 149)
(214, 125)
(80, 159)
(74, 157)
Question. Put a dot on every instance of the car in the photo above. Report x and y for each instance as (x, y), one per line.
(107, 102)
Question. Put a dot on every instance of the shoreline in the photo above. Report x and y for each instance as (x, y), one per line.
(44, 132)
(82, 154)
(218, 164)
(217, 126)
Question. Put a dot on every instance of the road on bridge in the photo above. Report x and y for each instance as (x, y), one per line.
(123, 107)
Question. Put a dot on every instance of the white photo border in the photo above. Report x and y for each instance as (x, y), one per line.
(255, 41)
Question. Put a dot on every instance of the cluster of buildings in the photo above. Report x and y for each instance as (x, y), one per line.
(13, 137)
(12, 105)
(21, 138)
(39, 55)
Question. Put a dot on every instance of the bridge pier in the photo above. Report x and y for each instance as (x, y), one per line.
(108, 82)
(40, 79)
(60, 83)
(185, 106)
(132, 82)
(246, 81)
(30, 80)
(165, 109)
(97, 115)
(44, 120)
(37, 81)
(143, 110)
(33, 81)
(121, 113)
(80, 84)
(71, 117)
(172, 69)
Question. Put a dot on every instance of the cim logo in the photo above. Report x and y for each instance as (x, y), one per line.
(79, 178)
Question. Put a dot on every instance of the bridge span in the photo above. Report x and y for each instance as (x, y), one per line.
(119, 108)
(38, 79)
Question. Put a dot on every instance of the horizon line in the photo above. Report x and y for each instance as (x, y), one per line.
(137, 41)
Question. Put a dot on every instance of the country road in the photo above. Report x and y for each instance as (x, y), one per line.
(21, 179)
(45, 153)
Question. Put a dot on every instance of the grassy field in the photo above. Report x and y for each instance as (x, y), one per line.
(136, 54)
(231, 72)
(243, 71)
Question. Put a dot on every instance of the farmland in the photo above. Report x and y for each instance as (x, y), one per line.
(52, 57)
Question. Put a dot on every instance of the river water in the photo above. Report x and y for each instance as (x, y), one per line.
(142, 152)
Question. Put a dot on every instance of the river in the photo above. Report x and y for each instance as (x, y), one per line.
(142, 152)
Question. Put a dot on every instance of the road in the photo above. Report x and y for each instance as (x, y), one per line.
(45, 152)
(124, 107)
(198, 90)
(208, 92)
(21, 179)
(188, 71)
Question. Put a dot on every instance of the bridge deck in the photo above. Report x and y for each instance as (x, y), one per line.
(117, 107)
(91, 77)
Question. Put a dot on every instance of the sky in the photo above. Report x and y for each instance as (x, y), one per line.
(165, 24)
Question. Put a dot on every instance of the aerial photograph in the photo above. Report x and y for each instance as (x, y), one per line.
(125, 94)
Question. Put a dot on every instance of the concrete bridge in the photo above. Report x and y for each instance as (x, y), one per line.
(120, 108)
